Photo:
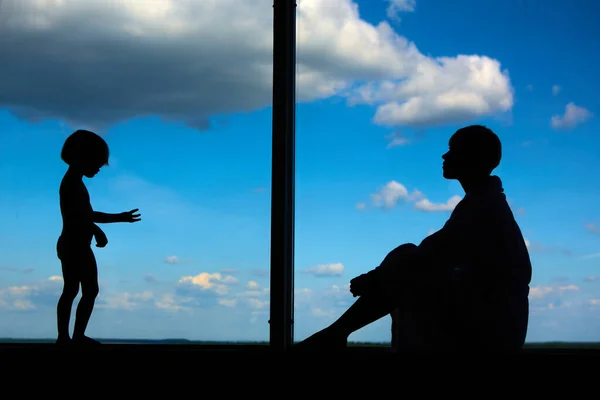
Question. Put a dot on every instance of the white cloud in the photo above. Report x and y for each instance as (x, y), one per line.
(172, 260)
(556, 89)
(544, 291)
(326, 270)
(228, 302)
(319, 312)
(189, 60)
(440, 91)
(210, 282)
(169, 302)
(252, 285)
(56, 278)
(398, 6)
(125, 300)
(27, 297)
(573, 116)
(230, 280)
(427, 205)
(393, 193)
(552, 297)
(397, 139)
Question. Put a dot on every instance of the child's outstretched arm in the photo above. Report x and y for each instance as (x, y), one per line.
(128, 216)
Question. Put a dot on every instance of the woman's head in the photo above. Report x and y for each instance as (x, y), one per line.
(473, 151)
(85, 151)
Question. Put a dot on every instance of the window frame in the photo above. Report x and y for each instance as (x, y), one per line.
(281, 318)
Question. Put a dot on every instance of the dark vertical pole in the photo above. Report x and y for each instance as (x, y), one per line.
(282, 185)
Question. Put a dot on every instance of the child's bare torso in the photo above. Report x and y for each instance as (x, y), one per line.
(76, 211)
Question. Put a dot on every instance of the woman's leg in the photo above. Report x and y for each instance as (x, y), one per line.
(365, 310)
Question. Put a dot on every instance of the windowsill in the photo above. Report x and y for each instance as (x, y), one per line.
(132, 348)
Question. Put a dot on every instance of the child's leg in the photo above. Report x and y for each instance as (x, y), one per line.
(89, 292)
(70, 269)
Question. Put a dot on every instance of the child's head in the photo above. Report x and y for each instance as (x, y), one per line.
(85, 151)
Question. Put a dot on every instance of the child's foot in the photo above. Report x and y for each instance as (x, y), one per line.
(63, 341)
(85, 341)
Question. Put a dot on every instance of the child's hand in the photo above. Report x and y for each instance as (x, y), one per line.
(131, 216)
(101, 239)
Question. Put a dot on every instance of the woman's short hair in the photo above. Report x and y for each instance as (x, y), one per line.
(482, 144)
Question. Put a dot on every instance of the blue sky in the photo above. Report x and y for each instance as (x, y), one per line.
(182, 96)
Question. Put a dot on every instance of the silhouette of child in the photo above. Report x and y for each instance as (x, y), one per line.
(463, 287)
(85, 153)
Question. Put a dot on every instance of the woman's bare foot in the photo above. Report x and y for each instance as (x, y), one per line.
(323, 341)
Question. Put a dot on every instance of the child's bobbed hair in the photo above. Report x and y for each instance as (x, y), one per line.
(84, 146)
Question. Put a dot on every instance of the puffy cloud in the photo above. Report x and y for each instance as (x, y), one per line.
(393, 193)
(427, 205)
(574, 115)
(190, 60)
(32, 295)
(17, 297)
(209, 282)
(326, 270)
(440, 91)
(252, 285)
(551, 297)
(398, 6)
(172, 303)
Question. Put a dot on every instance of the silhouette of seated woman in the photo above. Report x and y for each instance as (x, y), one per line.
(85, 153)
(463, 287)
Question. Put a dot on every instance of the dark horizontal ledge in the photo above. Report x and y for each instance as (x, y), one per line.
(133, 348)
